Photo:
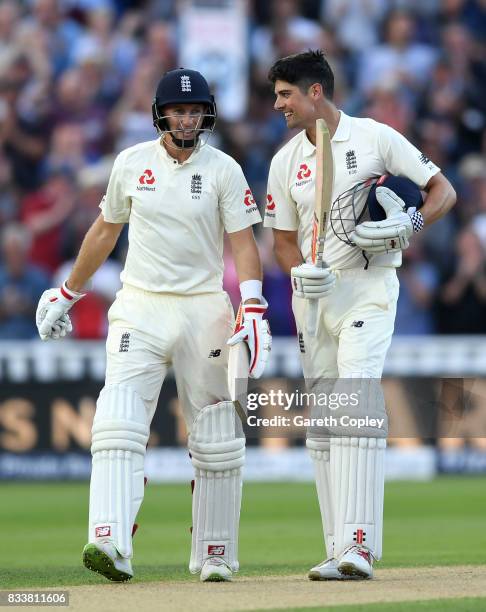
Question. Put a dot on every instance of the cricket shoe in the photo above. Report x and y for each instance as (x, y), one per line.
(104, 558)
(356, 561)
(327, 570)
(215, 569)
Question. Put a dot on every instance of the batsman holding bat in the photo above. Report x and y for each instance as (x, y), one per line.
(361, 224)
(178, 198)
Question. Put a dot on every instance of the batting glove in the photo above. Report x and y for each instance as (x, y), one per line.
(255, 331)
(311, 282)
(52, 317)
(393, 233)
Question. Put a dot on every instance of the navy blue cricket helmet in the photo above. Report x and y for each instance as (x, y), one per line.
(349, 209)
(183, 86)
(405, 189)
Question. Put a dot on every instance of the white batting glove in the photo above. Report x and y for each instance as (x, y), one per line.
(255, 331)
(52, 317)
(393, 233)
(311, 282)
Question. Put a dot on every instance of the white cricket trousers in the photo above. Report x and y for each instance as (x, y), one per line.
(149, 332)
(355, 325)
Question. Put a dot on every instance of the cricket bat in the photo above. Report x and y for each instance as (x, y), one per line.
(238, 368)
(322, 208)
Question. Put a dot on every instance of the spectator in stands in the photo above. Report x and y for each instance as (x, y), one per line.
(400, 58)
(419, 280)
(9, 19)
(355, 21)
(78, 101)
(115, 46)
(8, 195)
(44, 213)
(160, 45)
(21, 284)
(49, 22)
(461, 302)
(131, 118)
(23, 135)
(68, 149)
(288, 32)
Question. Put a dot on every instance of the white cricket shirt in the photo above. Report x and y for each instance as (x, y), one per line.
(362, 149)
(177, 214)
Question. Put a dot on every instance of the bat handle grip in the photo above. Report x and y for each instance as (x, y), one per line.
(313, 309)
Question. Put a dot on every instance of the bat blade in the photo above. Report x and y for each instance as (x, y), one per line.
(238, 368)
(322, 208)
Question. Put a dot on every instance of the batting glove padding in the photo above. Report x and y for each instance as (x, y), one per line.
(312, 282)
(52, 317)
(387, 236)
(255, 331)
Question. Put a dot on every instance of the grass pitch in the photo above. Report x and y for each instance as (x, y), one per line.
(44, 527)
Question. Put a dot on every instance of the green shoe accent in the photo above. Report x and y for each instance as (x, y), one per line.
(98, 561)
(216, 578)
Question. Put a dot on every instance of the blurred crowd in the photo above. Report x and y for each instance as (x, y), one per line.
(77, 78)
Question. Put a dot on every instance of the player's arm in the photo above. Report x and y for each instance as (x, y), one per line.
(286, 249)
(52, 317)
(402, 158)
(99, 242)
(246, 257)
(250, 325)
(441, 197)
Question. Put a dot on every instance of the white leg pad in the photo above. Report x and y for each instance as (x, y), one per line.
(319, 450)
(217, 448)
(119, 438)
(357, 480)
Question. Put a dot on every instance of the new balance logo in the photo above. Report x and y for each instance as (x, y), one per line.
(185, 83)
(214, 353)
(357, 324)
(214, 550)
(301, 342)
(351, 162)
(103, 532)
(196, 183)
(424, 159)
(124, 342)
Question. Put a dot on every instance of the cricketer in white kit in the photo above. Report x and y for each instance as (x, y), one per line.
(178, 198)
(357, 292)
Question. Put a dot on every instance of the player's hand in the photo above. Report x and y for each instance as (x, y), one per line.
(311, 282)
(52, 317)
(390, 235)
(255, 331)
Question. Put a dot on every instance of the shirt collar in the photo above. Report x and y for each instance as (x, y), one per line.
(342, 133)
(171, 160)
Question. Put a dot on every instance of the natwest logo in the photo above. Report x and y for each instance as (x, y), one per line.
(304, 172)
(249, 199)
(147, 178)
(270, 202)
